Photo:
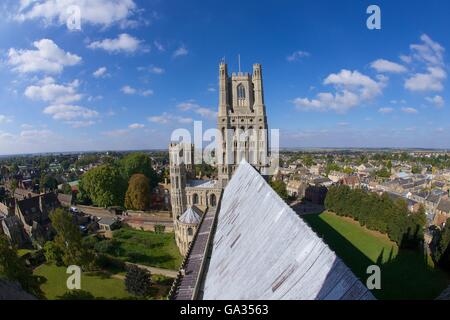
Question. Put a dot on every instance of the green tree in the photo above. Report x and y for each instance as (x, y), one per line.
(138, 193)
(139, 163)
(68, 241)
(280, 188)
(441, 254)
(49, 182)
(138, 281)
(104, 185)
(66, 188)
(14, 268)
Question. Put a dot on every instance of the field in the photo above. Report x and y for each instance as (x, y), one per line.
(99, 285)
(147, 248)
(404, 274)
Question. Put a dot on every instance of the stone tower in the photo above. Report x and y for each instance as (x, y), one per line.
(242, 121)
(181, 158)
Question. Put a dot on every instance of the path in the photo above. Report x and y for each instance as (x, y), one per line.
(154, 270)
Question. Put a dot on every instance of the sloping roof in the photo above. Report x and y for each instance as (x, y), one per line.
(191, 216)
(263, 250)
(444, 205)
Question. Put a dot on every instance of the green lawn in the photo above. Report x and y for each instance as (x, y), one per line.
(100, 285)
(405, 274)
(147, 248)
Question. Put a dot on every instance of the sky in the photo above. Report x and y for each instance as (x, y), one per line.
(136, 70)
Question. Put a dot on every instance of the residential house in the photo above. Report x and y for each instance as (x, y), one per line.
(442, 212)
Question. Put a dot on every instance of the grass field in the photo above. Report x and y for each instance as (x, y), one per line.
(147, 248)
(100, 285)
(404, 274)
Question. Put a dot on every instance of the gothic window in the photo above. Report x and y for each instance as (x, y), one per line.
(212, 200)
(241, 92)
(190, 232)
(195, 198)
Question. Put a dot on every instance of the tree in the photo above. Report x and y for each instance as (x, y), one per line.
(138, 193)
(139, 163)
(104, 185)
(66, 188)
(280, 188)
(442, 252)
(138, 281)
(68, 247)
(49, 182)
(14, 268)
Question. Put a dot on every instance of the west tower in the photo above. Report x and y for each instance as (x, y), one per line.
(242, 121)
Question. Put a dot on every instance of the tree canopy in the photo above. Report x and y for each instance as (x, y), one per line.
(138, 281)
(138, 193)
(67, 247)
(14, 268)
(139, 163)
(379, 213)
(104, 185)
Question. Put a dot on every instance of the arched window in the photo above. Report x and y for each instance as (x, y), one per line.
(190, 232)
(195, 198)
(241, 92)
(212, 200)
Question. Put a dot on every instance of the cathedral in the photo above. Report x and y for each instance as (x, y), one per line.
(239, 239)
(242, 122)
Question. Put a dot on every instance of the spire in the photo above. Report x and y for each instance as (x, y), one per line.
(223, 89)
(258, 87)
(239, 62)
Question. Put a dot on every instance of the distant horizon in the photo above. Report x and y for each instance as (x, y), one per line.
(386, 149)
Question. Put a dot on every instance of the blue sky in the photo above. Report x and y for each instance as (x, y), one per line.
(139, 69)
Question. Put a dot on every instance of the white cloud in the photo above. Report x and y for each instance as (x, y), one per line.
(116, 133)
(128, 90)
(166, 118)
(431, 54)
(431, 81)
(410, 110)
(47, 58)
(100, 72)
(136, 126)
(147, 93)
(352, 89)
(385, 110)
(123, 43)
(155, 70)
(70, 112)
(438, 101)
(386, 66)
(35, 135)
(80, 123)
(211, 89)
(162, 119)
(5, 119)
(181, 51)
(297, 55)
(428, 51)
(159, 46)
(185, 106)
(51, 92)
(96, 12)
(206, 113)
(202, 111)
